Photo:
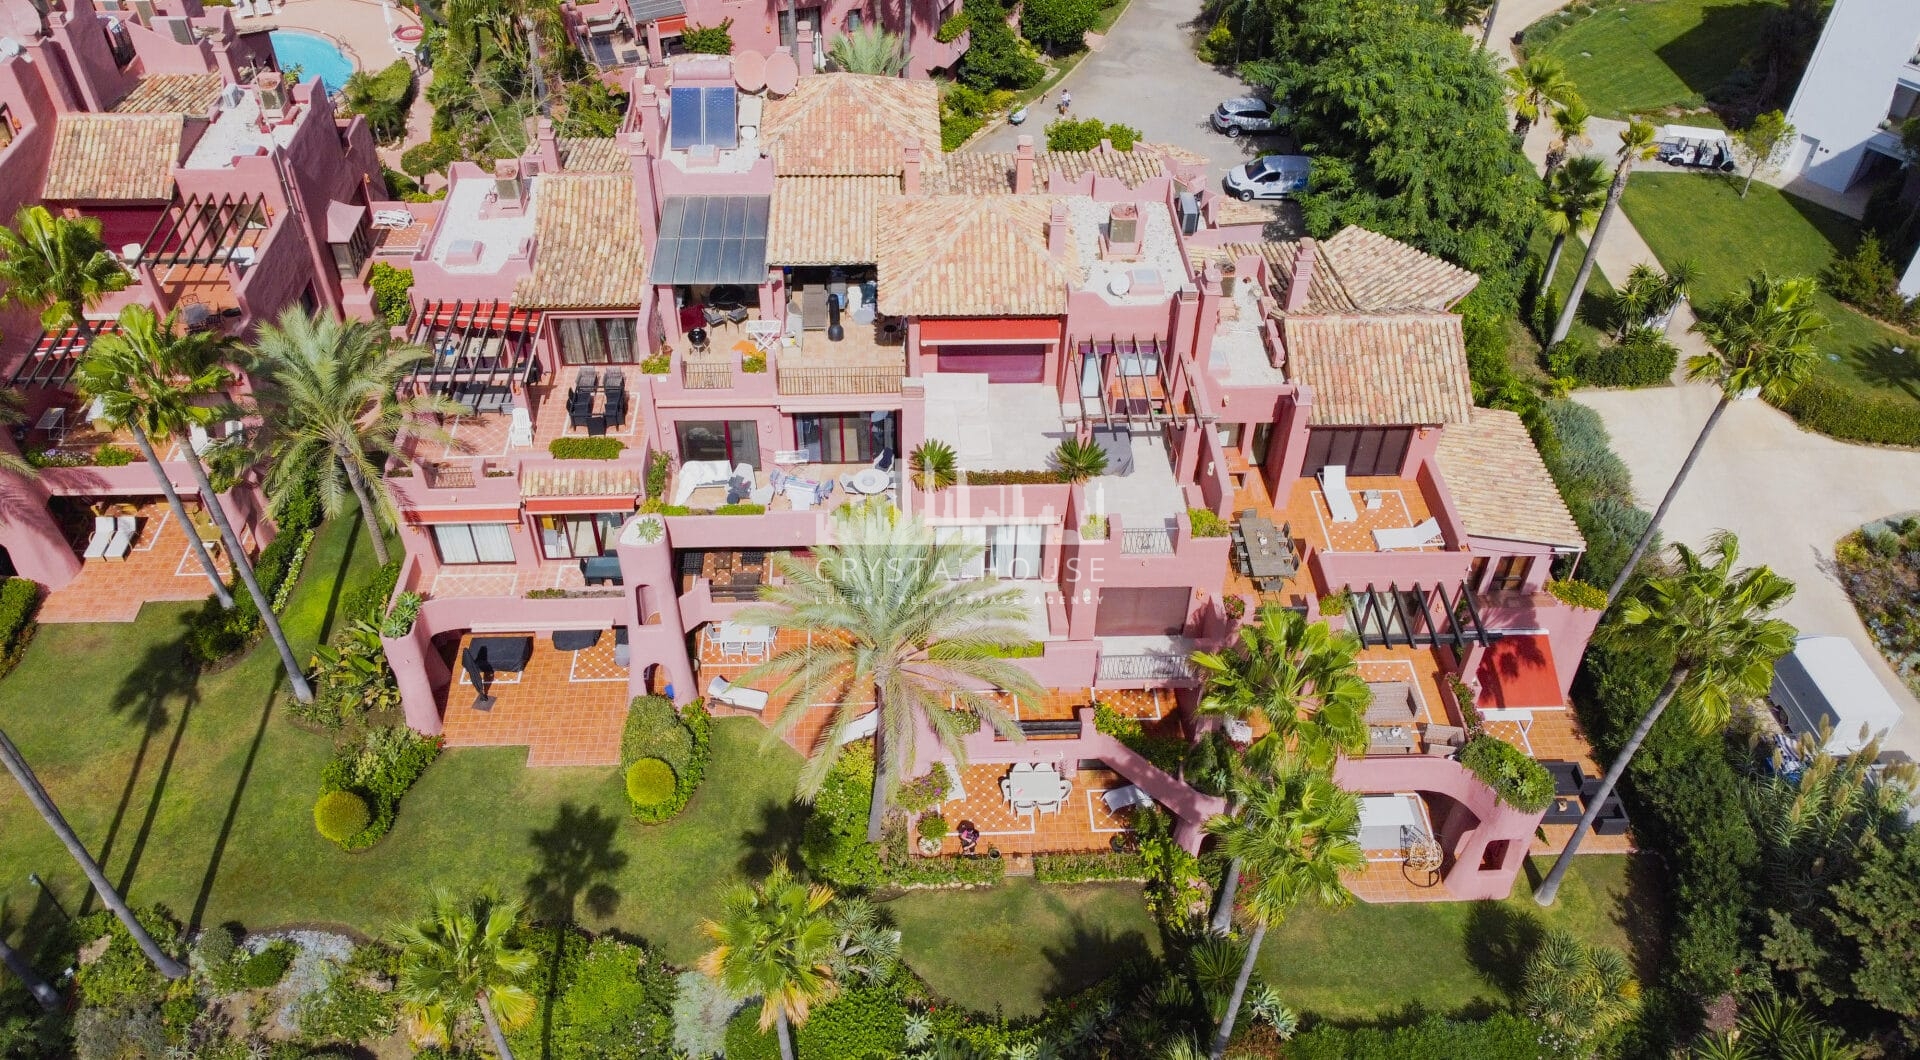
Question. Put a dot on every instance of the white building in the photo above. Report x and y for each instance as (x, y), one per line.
(1861, 84)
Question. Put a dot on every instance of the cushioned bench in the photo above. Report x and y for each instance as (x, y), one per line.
(500, 654)
(601, 570)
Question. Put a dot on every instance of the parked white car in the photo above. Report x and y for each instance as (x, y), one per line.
(1269, 177)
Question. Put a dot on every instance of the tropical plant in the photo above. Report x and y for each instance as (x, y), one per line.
(1536, 85)
(1714, 618)
(1295, 835)
(1636, 144)
(865, 948)
(1760, 341)
(1774, 1029)
(1058, 25)
(1579, 993)
(23, 775)
(1302, 681)
(1078, 461)
(893, 626)
(57, 265)
(1569, 130)
(934, 465)
(13, 411)
(464, 956)
(148, 375)
(1575, 194)
(382, 99)
(1763, 143)
(868, 50)
(326, 390)
(775, 939)
(1462, 13)
(713, 40)
(1650, 294)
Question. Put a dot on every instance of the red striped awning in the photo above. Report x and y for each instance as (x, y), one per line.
(985, 330)
(428, 516)
(1519, 672)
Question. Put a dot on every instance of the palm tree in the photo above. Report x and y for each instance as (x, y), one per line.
(891, 623)
(58, 265)
(462, 956)
(775, 939)
(1761, 341)
(1575, 193)
(13, 410)
(1636, 143)
(1715, 617)
(16, 962)
(148, 374)
(50, 813)
(327, 388)
(1463, 13)
(1569, 128)
(868, 50)
(1537, 84)
(1579, 993)
(1296, 837)
(1301, 680)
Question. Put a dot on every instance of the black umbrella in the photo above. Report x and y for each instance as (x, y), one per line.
(475, 664)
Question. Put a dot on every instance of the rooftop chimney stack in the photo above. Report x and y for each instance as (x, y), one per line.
(549, 146)
(649, 105)
(804, 52)
(1302, 278)
(1023, 165)
(646, 194)
(1057, 231)
(910, 166)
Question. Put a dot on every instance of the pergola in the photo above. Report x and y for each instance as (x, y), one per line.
(479, 349)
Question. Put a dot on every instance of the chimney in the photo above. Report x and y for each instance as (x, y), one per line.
(910, 165)
(549, 146)
(1023, 165)
(1057, 231)
(803, 53)
(649, 105)
(645, 193)
(1302, 278)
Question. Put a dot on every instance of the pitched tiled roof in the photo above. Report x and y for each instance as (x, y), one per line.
(1408, 368)
(587, 248)
(825, 220)
(1325, 296)
(991, 172)
(598, 154)
(1499, 483)
(114, 156)
(579, 482)
(852, 125)
(173, 94)
(1382, 274)
(952, 255)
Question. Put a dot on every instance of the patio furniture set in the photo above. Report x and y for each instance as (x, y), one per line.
(1031, 787)
(1392, 727)
(113, 537)
(1572, 791)
(597, 405)
(1339, 497)
(1263, 551)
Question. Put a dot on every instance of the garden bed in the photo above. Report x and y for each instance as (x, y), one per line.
(1879, 567)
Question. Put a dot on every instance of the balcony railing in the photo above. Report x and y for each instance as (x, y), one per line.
(1149, 541)
(706, 375)
(823, 380)
(1145, 668)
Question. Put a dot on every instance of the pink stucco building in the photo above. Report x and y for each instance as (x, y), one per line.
(617, 36)
(774, 282)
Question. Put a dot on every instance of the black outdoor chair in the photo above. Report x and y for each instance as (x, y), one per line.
(597, 425)
(616, 380)
(587, 380)
(616, 408)
(580, 414)
(601, 570)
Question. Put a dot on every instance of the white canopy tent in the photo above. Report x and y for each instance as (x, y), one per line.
(1824, 681)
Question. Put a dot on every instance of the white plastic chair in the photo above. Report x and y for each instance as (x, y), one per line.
(520, 428)
(1333, 481)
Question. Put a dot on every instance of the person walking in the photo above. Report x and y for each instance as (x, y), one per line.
(1066, 100)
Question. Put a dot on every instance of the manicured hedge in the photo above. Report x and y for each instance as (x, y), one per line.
(1501, 1037)
(1011, 478)
(649, 783)
(19, 602)
(586, 448)
(379, 770)
(1855, 415)
(1088, 867)
(681, 740)
(341, 815)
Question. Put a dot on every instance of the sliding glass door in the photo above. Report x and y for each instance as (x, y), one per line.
(734, 441)
(1005, 551)
(595, 340)
(576, 536)
(461, 543)
(846, 437)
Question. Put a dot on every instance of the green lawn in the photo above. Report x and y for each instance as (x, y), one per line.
(1369, 960)
(1702, 218)
(1646, 56)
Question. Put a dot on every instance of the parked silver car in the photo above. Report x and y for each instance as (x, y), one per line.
(1249, 114)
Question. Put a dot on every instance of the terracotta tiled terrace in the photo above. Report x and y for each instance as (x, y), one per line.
(567, 708)
(505, 579)
(1400, 505)
(160, 566)
(1083, 823)
(709, 497)
(487, 433)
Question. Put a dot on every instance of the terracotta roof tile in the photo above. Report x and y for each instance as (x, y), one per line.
(1382, 274)
(598, 154)
(951, 255)
(1408, 368)
(587, 247)
(173, 94)
(1499, 483)
(579, 482)
(991, 172)
(852, 125)
(825, 220)
(1325, 295)
(114, 156)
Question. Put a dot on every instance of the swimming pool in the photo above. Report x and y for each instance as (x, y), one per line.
(316, 56)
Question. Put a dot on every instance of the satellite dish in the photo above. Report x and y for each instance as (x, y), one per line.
(1119, 285)
(782, 73)
(750, 71)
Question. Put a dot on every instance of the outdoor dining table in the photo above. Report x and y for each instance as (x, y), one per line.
(741, 636)
(871, 480)
(1269, 553)
(1038, 785)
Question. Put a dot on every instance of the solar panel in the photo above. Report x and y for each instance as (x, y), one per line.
(686, 119)
(717, 105)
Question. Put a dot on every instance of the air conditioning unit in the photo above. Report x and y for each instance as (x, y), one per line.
(1189, 205)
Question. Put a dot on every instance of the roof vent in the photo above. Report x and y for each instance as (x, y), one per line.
(1119, 284)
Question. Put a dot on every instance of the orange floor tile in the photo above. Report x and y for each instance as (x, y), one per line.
(487, 433)
(1083, 823)
(160, 566)
(567, 708)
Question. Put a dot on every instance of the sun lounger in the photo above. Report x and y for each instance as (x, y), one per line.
(735, 696)
(698, 474)
(125, 529)
(1121, 798)
(1333, 482)
(1407, 537)
(103, 530)
(861, 727)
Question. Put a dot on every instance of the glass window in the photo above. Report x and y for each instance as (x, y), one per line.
(845, 437)
(1006, 551)
(735, 441)
(577, 536)
(595, 340)
(474, 542)
(853, 22)
(1511, 573)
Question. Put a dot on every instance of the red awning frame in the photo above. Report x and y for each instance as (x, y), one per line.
(991, 331)
(624, 502)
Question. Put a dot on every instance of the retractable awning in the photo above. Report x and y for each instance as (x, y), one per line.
(476, 343)
(989, 330)
(1519, 672)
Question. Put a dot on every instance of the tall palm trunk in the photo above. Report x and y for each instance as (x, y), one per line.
(1614, 191)
(37, 795)
(16, 963)
(368, 513)
(1553, 264)
(1225, 1034)
(1229, 887)
(180, 514)
(1486, 34)
(784, 1033)
(493, 1027)
(244, 566)
(1653, 525)
(877, 808)
(1550, 887)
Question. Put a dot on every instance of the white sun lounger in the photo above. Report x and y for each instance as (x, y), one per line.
(125, 528)
(1407, 536)
(103, 530)
(1333, 482)
(735, 696)
(861, 727)
(1120, 798)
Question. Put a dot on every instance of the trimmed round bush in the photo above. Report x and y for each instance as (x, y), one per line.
(650, 782)
(341, 815)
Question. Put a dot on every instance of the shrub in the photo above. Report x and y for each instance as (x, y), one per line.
(1876, 416)
(340, 815)
(586, 448)
(345, 1010)
(1085, 135)
(951, 29)
(1500, 1037)
(746, 1041)
(753, 363)
(933, 462)
(1207, 524)
(1088, 867)
(114, 456)
(649, 783)
(934, 827)
(1058, 25)
(1643, 358)
(1048, 477)
(1163, 751)
(19, 603)
(657, 364)
(121, 976)
(1094, 528)
(870, 1021)
(390, 287)
(432, 156)
(1519, 780)
(1078, 461)
(833, 845)
(400, 619)
(368, 603)
(683, 741)
(266, 968)
(741, 509)
(1577, 593)
(1217, 45)
(1031, 649)
(215, 946)
(709, 40)
(1867, 279)
(380, 770)
(957, 129)
(923, 793)
(214, 633)
(995, 56)
(659, 469)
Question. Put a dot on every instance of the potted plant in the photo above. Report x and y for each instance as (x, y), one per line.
(1078, 461)
(933, 463)
(933, 829)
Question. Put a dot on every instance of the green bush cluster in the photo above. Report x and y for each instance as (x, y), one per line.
(833, 845)
(114, 456)
(380, 769)
(1643, 358)
(369, 602)
(709, 40)
(1207, 524)
(1051, 476)
(1576, 593)
(1058, 25)
(122, 977)
(215, 634)
(741, 509)
(924, 792)
(1514, 775)
(1087, 867)
(1166, 752)
(868, 1021)
(1065, 134)
(341, 815)
(996, 57)
(348, 1010)
(681, 741)
(401, 617)
(586, 448)
(1504, 1036)
(1876, 416)
(1868, 280)
(659, 469)
(951, 29)
(390, 287)
(1596, 485)
(597, 999)
(19, 603)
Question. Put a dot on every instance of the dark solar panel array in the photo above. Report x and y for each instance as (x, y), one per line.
(712, 239)
(703, 117)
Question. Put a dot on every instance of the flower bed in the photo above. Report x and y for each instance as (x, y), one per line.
(1880, 569)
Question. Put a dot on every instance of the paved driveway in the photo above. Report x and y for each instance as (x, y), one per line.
(1789, 495)
(1146, 76)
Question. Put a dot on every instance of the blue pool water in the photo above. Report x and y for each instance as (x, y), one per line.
(316, 56)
